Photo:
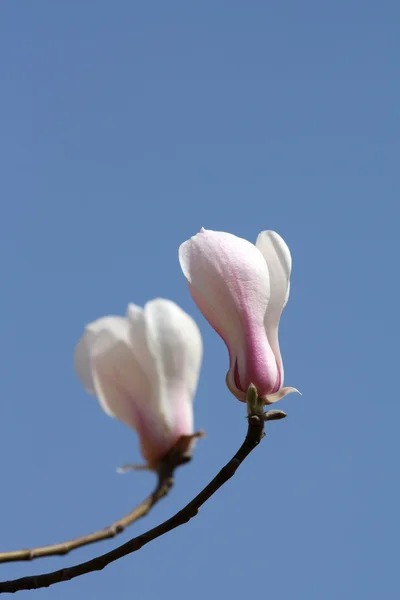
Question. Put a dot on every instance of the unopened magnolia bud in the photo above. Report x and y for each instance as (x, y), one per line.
(241, 288)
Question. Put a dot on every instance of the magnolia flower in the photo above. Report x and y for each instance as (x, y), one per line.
(144, 369)
(241, 289)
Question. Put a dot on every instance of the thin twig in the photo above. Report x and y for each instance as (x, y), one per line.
(165, 482)
(254, 435)
(162, 488)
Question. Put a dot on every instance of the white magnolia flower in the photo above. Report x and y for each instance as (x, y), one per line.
(144, 370)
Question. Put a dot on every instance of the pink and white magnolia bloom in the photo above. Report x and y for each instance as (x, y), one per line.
(144, 370)
(241, 289)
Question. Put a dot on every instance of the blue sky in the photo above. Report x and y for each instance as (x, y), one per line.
(125, 127)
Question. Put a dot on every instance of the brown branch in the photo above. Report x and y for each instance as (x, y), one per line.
(254, 435)
(165, 481)
(162, 488)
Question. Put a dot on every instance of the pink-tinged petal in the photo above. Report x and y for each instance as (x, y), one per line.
(124, 387)
(174, 341)
(229, 281)
(278, 258)
(209, 314)
(108, 368)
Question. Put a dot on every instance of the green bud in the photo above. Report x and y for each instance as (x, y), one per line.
(274, 415)
(255, 405)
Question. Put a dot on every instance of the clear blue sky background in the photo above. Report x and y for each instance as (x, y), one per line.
(125, 127)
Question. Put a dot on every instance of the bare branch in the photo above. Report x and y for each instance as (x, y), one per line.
(254, 435)
(177, 456)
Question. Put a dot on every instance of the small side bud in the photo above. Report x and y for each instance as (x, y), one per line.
(274, 415)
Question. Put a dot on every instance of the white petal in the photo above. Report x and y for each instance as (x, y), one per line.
(138, 339)
(174, 341)
(121, 385)
(82, 356)
(224, 269)
(279, 261)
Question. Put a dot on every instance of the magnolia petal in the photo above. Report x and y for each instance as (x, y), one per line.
(279, 261)
(120, 383)
(124, 388)
(213, 319)
(138, 339)
(230, 382)
(272, 398)
(199, 260)
(231, 282)
(175, 343)
(82, 355)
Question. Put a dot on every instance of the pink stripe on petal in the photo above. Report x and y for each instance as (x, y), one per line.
(257, 363)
